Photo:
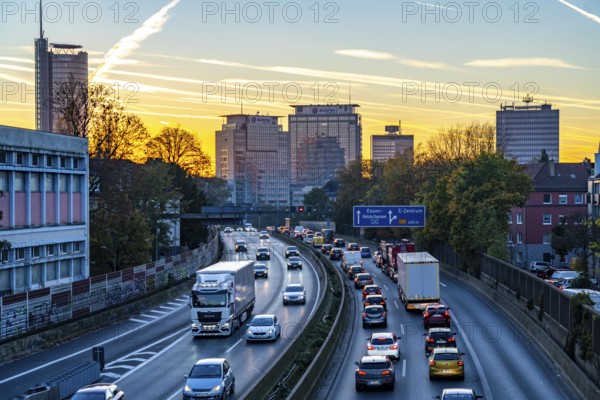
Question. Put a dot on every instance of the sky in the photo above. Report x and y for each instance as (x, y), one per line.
(430, 65)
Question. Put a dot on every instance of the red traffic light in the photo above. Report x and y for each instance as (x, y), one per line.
(301, 209)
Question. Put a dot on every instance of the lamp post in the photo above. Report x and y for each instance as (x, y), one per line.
(114, 253)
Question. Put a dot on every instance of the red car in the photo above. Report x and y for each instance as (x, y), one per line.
(436, 315)
(370, 289)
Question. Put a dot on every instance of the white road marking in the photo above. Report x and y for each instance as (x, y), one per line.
(442, 284)
(236, 343)
(125, 366)
(385, 287)
(402, 329)
(150, 353)
(148, 316)
(158, 312)
(168, 308)
(396, 304)
(133, 359)
(110, 375)
(141, 321)
(404, 368)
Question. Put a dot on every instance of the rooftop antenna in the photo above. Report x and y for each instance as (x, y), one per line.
(41, 20)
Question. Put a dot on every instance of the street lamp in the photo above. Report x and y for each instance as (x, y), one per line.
(114, 253)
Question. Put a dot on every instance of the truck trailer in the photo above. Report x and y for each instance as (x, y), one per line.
(418, 280)
(222, 298)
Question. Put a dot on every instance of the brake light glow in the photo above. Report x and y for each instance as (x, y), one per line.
(362, 373)
(451, 339)
(394, 347)
(369, 347)
(426, 315)
(364, 315)
(385, 372)
(432, 363)
(383, 314)
(460, 363)
(446, 314)
(430, 340)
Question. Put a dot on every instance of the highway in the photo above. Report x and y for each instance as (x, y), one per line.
(148, 355)
(500, 361)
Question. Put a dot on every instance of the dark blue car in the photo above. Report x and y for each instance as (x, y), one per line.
(365, 252)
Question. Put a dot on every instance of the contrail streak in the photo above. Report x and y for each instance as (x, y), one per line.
(591, 16)
(128, 44)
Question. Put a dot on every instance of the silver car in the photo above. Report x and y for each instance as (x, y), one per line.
(384, 344)
(294, 293)
(209, 378)
(263, 327)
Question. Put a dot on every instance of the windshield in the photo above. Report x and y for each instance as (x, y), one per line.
(294, 289)
(446, 357)
(374, 310)
(375, 365)
(294, 259)
(260, 266)
(262, 322)
(382, 341)
(209, 299)
(206, 371)
(89, 396)
(292, 248)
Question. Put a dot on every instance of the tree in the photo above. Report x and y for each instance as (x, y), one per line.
(578, 233)
(480, 194)
(319, 199)
(4, 244)
(179, 146)
(214, 190)
(561, 241)
(544, 156)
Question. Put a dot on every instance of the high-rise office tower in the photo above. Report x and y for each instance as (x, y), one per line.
(253, 156)
(394, 143)
(523, 132)
(339, 121)
(55, 65)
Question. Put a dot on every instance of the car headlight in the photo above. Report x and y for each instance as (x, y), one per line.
(270, 331)
(217, 388)
(301, 296)
(286, 297)
(225, 325)
(186, 388)
(250, 332)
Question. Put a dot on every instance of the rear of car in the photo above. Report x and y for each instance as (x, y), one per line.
(370, 289)
(384, 344)
(363, 279)
(354, 270)
(436, 315)
(318, 241)
(439, 337)
(374, 372)
(326, 248)
(339, 242)
(375, 299)
(374, 315)
(446, 362)
(99, 391)
(336, 254)
(365, 252)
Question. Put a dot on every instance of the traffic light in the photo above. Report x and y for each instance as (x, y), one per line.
(293, 209)
(300, 209)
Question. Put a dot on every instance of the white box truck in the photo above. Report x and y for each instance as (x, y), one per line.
(222, 298)
(418, 280)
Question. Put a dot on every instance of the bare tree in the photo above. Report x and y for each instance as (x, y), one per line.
(178, 146)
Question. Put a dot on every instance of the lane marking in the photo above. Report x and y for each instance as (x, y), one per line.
(442, 284)
(148, 316)
(133, 359)
(141, 321)
(402, 329)
(396, 304)
(124, 366)
(386, 288)
(150, 353)
(110, 375)
(158, 312)
(236, 343)
(404, 368)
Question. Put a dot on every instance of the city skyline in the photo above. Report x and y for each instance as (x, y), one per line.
(412, 61)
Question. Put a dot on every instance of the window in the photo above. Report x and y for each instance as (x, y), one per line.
(19, 181)
(34, 159)
(64, 248)
(76, 247)
(2, 157)
(35, 252)
(547, 238)
(519, 218)
(578, 198)
(519, 237)
(77, 183)
(50, 182)
(562, 199)
(48, 161)
(562, 219)
(547, 219)
(547, 199)
(76, 163)
(4, 256)
(64, 269)
(34, 182)
(63, 162)
(19, 159)
(77, 268)
(509, 238)
(50, 271)
(4, 180)
(510, 218)
(50, 250)
(20, 253)
(36, 274)
(64, 183)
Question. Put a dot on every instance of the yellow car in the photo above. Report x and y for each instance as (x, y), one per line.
(446, 362)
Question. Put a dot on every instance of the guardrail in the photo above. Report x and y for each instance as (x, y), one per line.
(284, 368)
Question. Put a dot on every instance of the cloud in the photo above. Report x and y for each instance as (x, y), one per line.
(16, 68)
(521, 62)
(377, 55)
(18, 59)
(361, 53)
(591, 16)
(128, 44)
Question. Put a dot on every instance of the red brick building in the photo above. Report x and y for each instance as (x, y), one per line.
(559, 190)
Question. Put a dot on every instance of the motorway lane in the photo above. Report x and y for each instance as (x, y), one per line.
(141, 339)
(163, 377)
(499, 362)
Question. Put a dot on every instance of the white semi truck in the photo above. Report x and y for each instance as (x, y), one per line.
(222, 298)
(418, 280)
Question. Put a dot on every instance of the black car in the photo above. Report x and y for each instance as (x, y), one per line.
(336, 254)
(291, 251)
(326, 248)
(294, 263)
(263, 253)
(439, 337)
(374, 315)
(241, 246)
(374, 371)
(261, 269)
(339, 242)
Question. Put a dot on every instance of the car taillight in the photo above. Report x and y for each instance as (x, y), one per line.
(460, 363)
(385, 372)
(364, 315)
(426, 315)
(446, 314)
(451, 339)
(362, 373)
(369, 347)
(394, 347)
(431, 363)
(430, 340)
(382, 302)
(383, 314)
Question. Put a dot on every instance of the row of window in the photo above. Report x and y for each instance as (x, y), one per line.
(34, 252)
(35, 181)
(563, 198)
(546, 219)
(547, 238)
(43, 273)
(38, 160)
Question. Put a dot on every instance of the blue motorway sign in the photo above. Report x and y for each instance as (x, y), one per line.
(389, 216)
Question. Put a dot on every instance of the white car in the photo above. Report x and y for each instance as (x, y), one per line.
(384, 344)
(535, 265)
(263, 327)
